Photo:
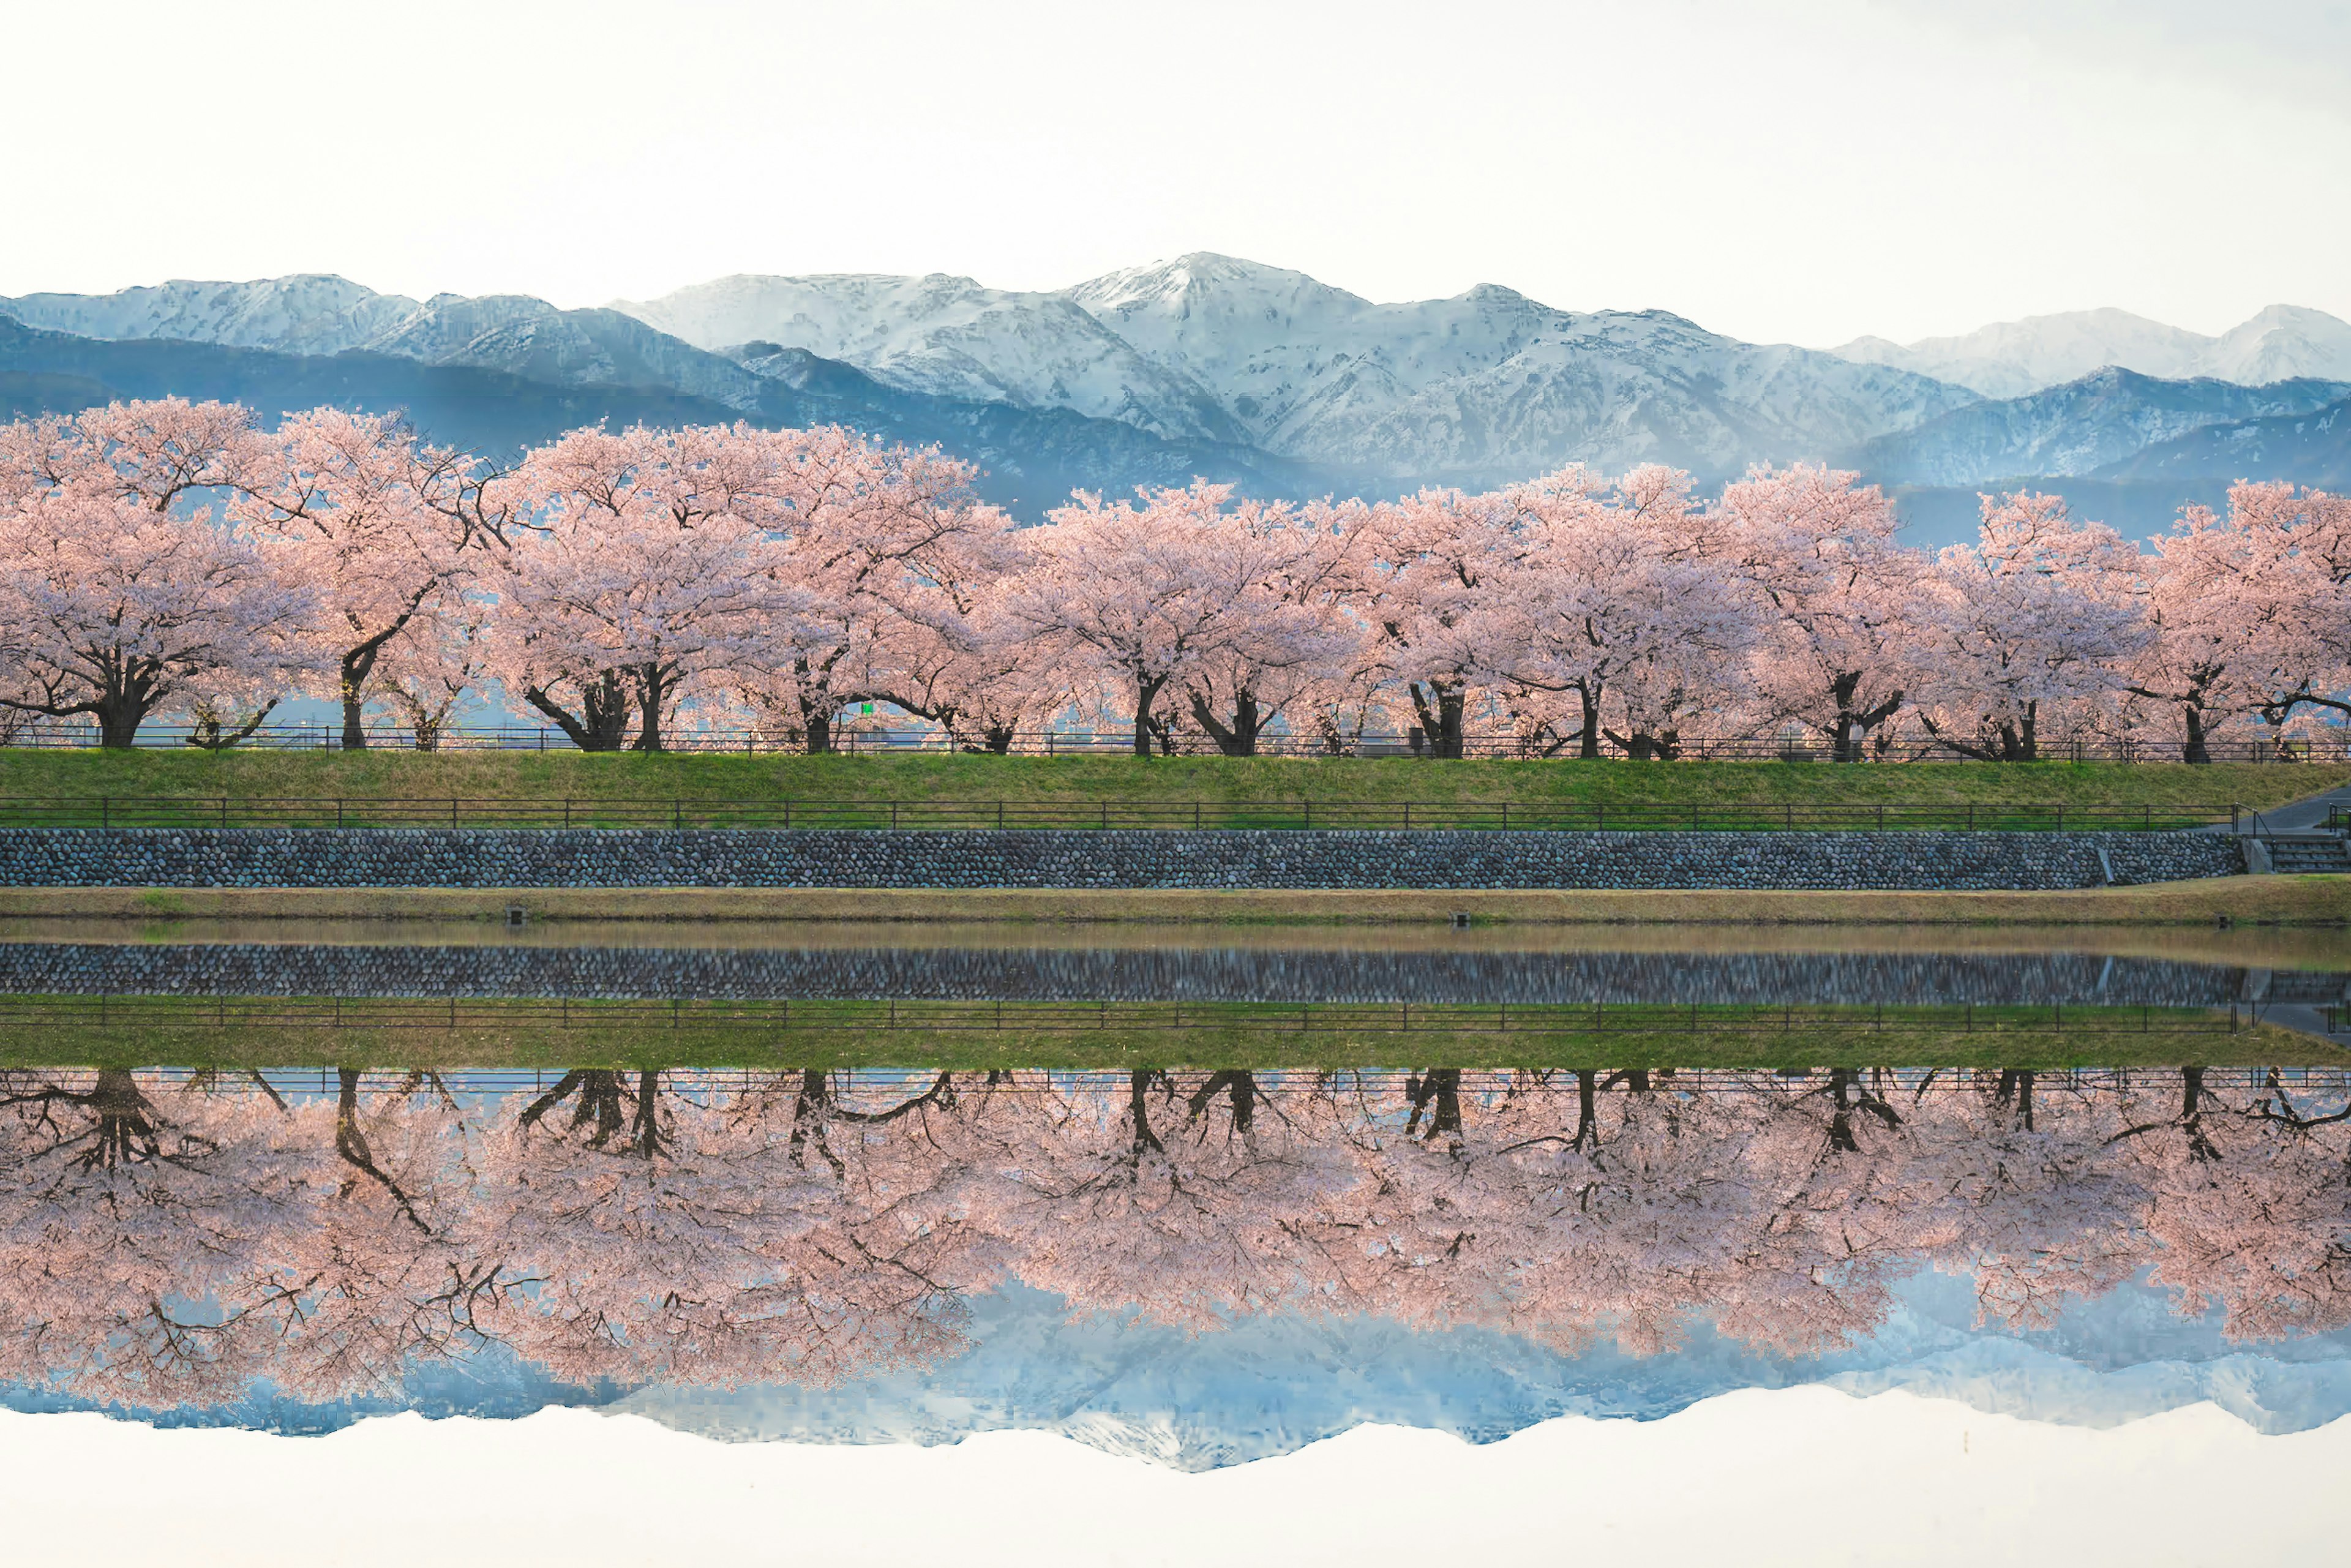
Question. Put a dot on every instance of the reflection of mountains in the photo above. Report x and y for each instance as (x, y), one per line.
(171, 1244)
(1271, 1386)
(1145, 974)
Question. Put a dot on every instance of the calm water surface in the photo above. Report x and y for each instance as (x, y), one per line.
(1196, 1268)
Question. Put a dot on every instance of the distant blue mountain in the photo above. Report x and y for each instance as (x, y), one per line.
(1032, 458)
(2090, 425)
(2310, 447)
(1270, 1386)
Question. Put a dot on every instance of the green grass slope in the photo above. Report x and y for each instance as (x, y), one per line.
(626, 780)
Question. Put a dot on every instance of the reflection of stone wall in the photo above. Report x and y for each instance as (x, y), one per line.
(1056, 974)
(486, 858)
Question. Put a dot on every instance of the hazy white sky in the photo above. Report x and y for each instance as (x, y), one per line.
(1804, 173)
(1894, 1479)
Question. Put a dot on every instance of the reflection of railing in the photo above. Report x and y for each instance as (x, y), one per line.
(683, 811)
(878, 736)
(878, 1088)
(647, 1020)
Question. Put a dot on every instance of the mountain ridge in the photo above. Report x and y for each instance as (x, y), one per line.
(2081, 427)
(1031, 459)
(2015, 358)
(1268, 376)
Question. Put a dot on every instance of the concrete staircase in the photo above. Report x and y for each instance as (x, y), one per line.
(2302, 853)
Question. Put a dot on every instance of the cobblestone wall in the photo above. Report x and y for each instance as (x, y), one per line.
(1111, 974)
(491, 858)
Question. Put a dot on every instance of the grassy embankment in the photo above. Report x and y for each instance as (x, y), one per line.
(626, 780)
(2300, 900)
(629, 779)
(976, 1035)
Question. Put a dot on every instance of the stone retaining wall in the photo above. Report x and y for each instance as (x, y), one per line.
(1117, 974)
(1229, 859)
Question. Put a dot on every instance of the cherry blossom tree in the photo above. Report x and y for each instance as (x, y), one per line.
(882, 543)
(2246, 1203)
(1844, 597)
(646, 575)
(2295, 589)
(1441, 552)
(376, 523)
(1611, 596)
(660, 1232)
(440, 656)
(935, 637)
(2041, 616)
(2019, 1186)
(1293, 632)
(120, 593)
(2213, 620)
(1175, 593)
(376, 1280)
(1179, 1197)
(138, 1225)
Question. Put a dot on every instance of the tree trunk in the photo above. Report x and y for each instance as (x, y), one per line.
(1239, 738)
(1853, 725)
(1587, 1111)
(358, 663)
(1587, 748)
(653, 695)
(1138, 1107)
(118, 722)
(2196, 749)
(1440, 725)
(1146, 692)
(603, 722)
(1438, 1092)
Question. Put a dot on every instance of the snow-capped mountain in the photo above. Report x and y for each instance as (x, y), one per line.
(309, 313)
(1271, 1385)
(1488, 386)
(1249, 370)
(2012, 358)
(2078, 428)
(532, 339)
(316, 314)
(949, 337)
(2281, 341)
(2307, 448)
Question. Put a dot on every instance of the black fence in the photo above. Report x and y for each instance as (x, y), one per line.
(1100, 816)
(646, 1021)
(863, 738)
(880, 1087)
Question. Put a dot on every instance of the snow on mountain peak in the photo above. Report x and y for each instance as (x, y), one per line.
(948, 335)
(1484, 386)
(2014, 358)
(305, 313)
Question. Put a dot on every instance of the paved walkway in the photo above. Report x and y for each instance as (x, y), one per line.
(2305, 816)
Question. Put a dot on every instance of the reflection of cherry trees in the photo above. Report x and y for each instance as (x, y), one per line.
(132, 1224)
(375, 1278)
(163, 1243)
(654, 1232)
(2017, 1184)
(1180, 1196)
(2248, 1206)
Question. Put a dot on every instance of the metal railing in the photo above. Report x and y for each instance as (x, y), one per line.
(886, 1085)
(646, 1021)
(113, 812)
(859, 739)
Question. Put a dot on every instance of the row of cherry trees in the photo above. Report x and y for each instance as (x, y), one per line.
(171, 558)
(163, 1244)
